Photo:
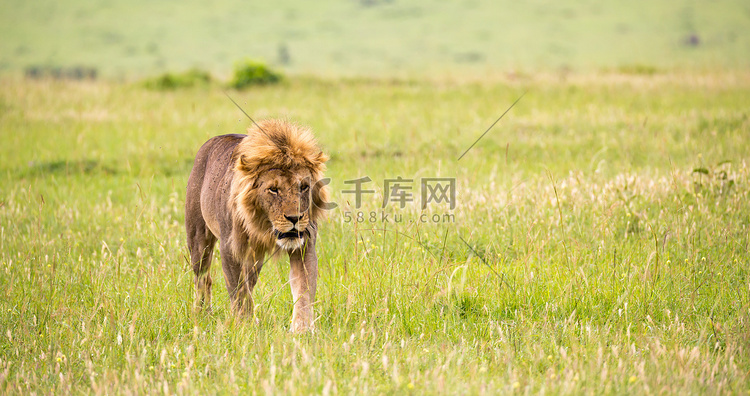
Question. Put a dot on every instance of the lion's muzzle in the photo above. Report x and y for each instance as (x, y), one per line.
(291, 240)
(290, 234)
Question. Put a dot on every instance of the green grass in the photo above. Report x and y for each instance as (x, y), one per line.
(385, 37)
(607, 265)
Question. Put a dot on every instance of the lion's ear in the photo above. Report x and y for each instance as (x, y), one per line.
(244, 164)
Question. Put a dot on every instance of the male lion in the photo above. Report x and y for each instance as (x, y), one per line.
(254, 193)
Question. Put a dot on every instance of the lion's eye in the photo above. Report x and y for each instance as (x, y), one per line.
(304, 188)
(273, 190)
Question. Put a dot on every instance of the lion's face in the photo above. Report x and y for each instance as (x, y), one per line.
(285, 198)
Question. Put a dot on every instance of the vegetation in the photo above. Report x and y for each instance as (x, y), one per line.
(599, 242)
(248, 73)
(190, 78)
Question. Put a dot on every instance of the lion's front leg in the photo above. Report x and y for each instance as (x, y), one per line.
(243, 303)
(241, 277)
(203, 284)
(303, 278)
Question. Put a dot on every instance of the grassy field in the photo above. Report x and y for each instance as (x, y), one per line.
(599, 242)
(367, 37)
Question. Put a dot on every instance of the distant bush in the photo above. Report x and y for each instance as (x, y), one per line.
(60, 73)
(169, 81)
(248, 72)
(638, 69)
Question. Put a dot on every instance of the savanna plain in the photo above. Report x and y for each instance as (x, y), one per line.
(598, 244)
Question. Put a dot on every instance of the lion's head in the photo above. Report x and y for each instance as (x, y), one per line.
(276, 192)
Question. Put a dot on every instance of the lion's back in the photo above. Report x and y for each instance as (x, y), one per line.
(209, 183)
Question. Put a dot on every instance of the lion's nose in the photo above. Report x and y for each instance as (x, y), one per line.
(293, 219)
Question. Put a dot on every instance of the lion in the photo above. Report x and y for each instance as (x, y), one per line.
(257, 194)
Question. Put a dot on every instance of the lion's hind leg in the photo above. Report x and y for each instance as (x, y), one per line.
(201, 244)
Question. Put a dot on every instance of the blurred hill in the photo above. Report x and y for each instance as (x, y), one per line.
(373, 37)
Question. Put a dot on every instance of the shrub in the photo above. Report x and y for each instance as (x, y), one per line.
(638, 69)
(168, 81)
(249, 72)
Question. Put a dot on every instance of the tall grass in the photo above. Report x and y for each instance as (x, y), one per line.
(586, 255)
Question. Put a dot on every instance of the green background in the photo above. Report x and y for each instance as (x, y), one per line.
(374, 37)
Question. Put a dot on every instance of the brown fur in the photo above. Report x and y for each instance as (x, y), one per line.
(250, 192)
